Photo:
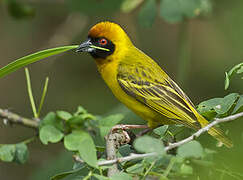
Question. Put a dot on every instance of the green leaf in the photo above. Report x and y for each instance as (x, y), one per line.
(237, 69)
(219, 105)
(147, 144)
(62, 175)
(104, 131)
(49, 133)
(111, 120)
(147, 13)
(82, 142)
(24, 61)
(7, 152)
(137, 168)
(64, 115)
(77, 173)
(240, 70)
(121, 176)
(128, 5)
(14, 152)
(21, 154)
(67, 173)
(88, 151)
(239, 105)
(227, 81)
(76, 120)
(176, 10)
(73, 141)
(99, 177)
(186, 169)
(226, 103)
(191, 149)
(51, 119)
(80, 110)
(164, 160)
(78, 165)
(108, 122)
(161, 130)
(125, 150)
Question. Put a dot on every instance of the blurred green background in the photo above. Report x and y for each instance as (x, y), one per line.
(215, 42)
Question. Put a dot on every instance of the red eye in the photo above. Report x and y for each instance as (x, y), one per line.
(103, 42)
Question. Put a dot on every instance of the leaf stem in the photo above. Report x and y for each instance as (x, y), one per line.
(27, 141)
(170, 133)
(150, 167)
(88, 176)
(32, 101)
(43, 96)
(100, 170)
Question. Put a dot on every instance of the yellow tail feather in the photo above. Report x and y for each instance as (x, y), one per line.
(216, 133)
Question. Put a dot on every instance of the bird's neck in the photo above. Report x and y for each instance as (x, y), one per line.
(102, 63)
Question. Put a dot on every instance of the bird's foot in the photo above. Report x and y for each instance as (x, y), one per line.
(145, 131)
(123, 127)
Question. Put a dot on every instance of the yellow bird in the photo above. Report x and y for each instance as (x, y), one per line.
(139, 82)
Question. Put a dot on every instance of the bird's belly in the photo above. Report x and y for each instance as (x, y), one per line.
(154, 118)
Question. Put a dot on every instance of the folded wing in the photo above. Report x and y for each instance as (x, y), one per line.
(153, 88)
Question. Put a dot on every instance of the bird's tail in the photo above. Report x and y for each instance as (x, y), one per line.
(216, 132)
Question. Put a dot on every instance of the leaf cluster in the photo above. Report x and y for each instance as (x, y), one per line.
(14, 153)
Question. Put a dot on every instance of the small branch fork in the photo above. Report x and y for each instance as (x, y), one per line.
(114, 139)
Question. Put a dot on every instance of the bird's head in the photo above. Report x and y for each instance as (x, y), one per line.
(105, 40)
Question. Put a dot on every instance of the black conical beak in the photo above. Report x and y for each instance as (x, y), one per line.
(85, 47)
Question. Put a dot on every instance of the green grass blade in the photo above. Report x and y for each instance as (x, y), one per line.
(43, 96)
(21, 62)
(32, 101)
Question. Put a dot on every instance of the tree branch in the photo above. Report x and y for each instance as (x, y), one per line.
(111, 152)
(173, 145)
(17, 119)
(127, 158)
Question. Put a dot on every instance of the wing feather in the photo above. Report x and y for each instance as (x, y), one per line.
(157, 92)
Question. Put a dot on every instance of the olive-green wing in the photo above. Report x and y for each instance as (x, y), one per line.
(153, 88)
